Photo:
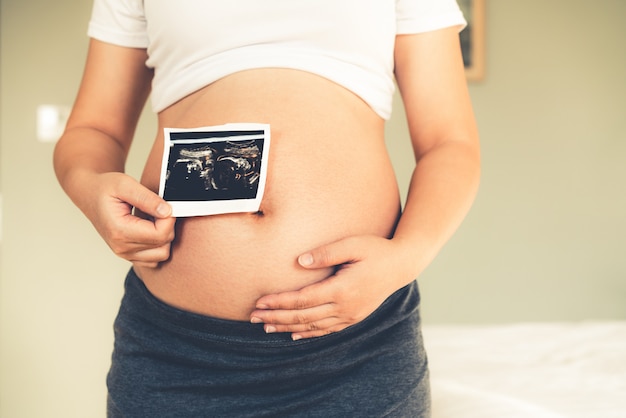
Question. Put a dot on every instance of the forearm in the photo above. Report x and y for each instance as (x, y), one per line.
(370, 268)
(81, 154)
(441, 192)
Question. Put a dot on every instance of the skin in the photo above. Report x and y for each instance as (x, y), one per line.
(319, 259)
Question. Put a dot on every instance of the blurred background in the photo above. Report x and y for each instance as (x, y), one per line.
(545, 240)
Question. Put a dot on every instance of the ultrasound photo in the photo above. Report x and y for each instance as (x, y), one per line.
(216, 169)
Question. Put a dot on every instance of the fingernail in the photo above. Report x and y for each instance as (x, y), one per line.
(163, 209)
(296, 337)
(305, 260)
(256, 320)
(262, 306)
(270, 329)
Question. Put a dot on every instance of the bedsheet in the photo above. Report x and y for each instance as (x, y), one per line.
(536, 370)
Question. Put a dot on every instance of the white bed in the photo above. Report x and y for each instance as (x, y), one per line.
(536, 370)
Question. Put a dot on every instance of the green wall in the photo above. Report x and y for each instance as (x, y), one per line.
(545, 240)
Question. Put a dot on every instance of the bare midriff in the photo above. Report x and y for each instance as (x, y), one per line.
(329, 177)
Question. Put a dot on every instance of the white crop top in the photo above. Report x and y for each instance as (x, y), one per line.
(192, 43)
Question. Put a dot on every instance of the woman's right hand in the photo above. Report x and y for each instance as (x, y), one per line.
(133, 220)
(90, 157)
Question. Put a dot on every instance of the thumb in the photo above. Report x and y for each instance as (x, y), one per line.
(162, 210)
(329, 255)
(146, 201)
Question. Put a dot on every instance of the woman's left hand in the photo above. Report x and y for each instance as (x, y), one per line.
(367, 270)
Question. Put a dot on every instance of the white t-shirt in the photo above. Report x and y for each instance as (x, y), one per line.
(192, 43)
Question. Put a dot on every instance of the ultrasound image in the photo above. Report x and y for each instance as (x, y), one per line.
(223, 170)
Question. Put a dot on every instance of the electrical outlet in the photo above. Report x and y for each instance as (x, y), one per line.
(51, 121)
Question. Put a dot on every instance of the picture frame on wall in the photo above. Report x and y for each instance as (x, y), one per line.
(473, 39)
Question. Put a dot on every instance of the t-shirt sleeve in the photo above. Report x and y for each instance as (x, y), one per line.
(119, 22)
(417, 16)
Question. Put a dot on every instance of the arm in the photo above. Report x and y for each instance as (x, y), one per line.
(89, 158)
(431, 78)
(430, 75)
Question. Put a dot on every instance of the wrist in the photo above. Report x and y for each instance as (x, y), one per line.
(413, 256)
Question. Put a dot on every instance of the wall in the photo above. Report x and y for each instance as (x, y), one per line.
(544, 241)
(59, 284)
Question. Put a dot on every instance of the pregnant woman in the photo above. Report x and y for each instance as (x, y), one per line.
(308, 306)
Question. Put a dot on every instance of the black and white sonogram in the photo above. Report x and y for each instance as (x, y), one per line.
(215, 169)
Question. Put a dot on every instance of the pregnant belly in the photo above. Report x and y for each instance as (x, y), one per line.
(329, 177)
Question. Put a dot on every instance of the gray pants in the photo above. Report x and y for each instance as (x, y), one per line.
(172, 363)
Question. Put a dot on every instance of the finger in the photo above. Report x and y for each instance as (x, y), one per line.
(329, 255)
(154, 232)
(165, 228)
(141, 253)
(318, 333)
(144, 199)
(139, 240)
(308, 297)
(150, 256)
(137, 233)
(293, 317)
(323, 326)
(146, 264)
